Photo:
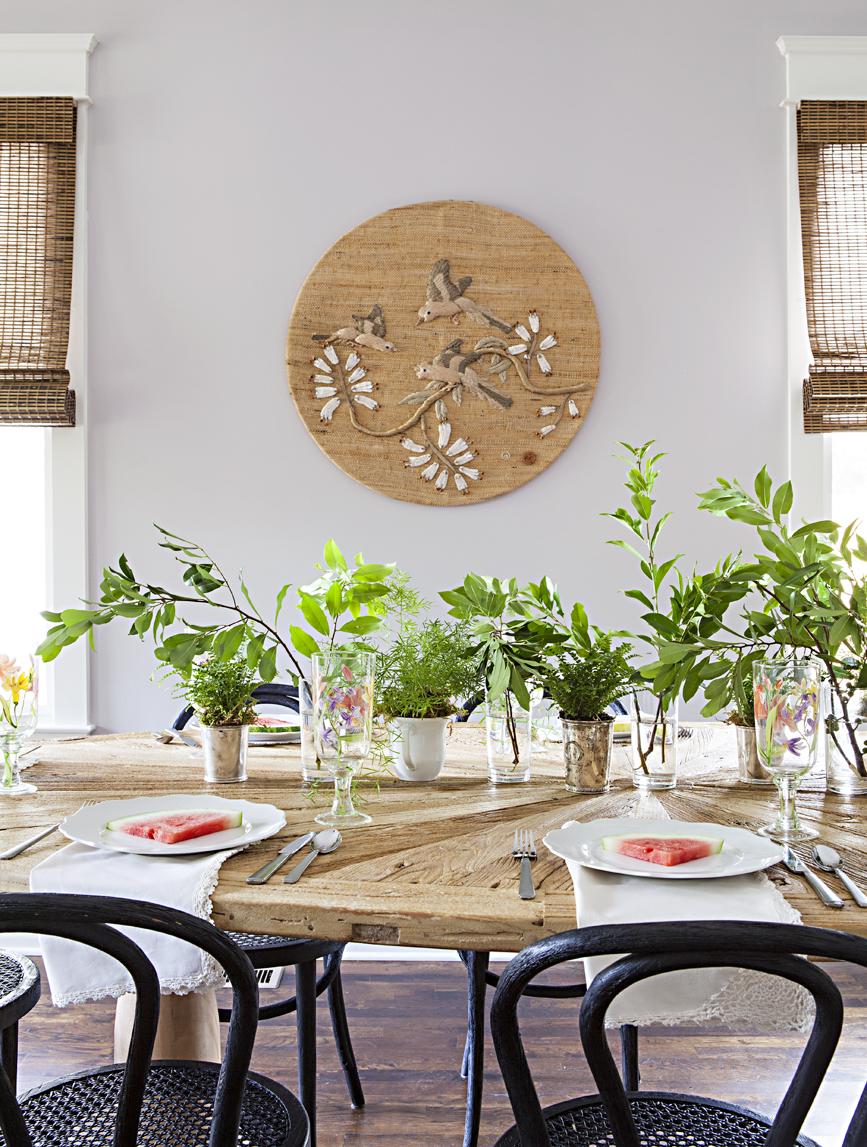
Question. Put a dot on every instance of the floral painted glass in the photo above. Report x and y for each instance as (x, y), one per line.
(343, 726)
(18, 699)
(786, 701)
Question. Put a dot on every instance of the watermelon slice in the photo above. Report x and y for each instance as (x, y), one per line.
(665, 850)
(173, 827)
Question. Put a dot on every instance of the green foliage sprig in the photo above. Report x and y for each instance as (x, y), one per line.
(428, 670)
(221, 692)
(341, 591)
(813, 587)
(515, 629)
(358, 593)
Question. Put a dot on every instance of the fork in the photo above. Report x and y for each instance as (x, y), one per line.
(11, 853)
(524, 849)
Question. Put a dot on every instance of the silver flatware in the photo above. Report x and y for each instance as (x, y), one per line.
(828, 859)
(11, 853)
(326, 841)
(261, 875)
(524, 849)
(825, 894)
(168, 735)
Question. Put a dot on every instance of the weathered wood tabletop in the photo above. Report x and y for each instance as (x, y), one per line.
(433, 869)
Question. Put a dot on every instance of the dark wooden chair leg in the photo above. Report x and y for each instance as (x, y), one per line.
(9, 1053)
(305, 1023)
(340, 1027)
(629, 1056)
(477, 966)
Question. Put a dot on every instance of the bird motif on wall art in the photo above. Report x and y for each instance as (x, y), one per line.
(447, 299)
(369, 331)
(452, 366)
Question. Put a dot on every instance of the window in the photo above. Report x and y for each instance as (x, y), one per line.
(826, 120)
(43, 124)
(849, 479)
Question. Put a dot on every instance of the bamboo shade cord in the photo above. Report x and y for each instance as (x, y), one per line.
(832, 176)
(37, 209)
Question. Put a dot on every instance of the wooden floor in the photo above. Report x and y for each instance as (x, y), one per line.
(408, 1023)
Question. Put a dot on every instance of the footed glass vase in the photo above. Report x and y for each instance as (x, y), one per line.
(18, 713)
(786, 703)
(343, 727)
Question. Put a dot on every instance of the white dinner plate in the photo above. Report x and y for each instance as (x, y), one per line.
(742, 851)
(87, 826)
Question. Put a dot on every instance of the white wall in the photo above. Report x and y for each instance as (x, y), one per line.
(231, 144)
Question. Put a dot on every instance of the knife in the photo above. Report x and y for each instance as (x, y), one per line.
(825, 894)
(267, 870)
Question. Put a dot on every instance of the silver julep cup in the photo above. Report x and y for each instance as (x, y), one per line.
(225, 749)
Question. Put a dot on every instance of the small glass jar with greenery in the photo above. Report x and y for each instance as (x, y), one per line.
(221, 693)
(587, 677)
(742, 715)
(428, 672)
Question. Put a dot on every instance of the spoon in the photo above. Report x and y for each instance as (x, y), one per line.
(325, 841)
(829, 861)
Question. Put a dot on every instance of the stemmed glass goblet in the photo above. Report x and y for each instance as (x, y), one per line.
(343, 726)
(786, 701)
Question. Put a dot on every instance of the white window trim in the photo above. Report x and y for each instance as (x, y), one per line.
(817, 68)
(58, 65)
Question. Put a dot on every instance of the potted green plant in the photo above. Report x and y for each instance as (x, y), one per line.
(588, 675)
(515, 629)
(221, 693)
(429, 670)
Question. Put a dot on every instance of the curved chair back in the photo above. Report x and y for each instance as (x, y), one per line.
(778, 949)
(93, 921)
(273, 693)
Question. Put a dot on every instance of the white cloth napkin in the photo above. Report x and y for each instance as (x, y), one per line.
(77, 973)
(727, 996)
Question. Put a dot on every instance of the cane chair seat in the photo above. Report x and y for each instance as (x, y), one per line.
(19, 982)
(662, 1120)
(81, 1111)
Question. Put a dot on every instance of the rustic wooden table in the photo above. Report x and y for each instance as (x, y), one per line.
(433, 869)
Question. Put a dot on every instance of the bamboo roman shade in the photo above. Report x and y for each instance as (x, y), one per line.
(37, 209)
(832, 177)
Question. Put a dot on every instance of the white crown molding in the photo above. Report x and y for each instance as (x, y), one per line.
(824, 67)
(53, 64)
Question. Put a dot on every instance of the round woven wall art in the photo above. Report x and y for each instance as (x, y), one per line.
(444, 353)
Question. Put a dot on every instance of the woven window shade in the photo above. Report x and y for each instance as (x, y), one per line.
(37, 209)
(832, 177)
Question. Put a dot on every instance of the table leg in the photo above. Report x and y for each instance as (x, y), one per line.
(189, 1027)
(474, 1052)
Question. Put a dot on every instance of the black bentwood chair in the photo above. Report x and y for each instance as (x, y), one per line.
(145, 1103)
(19, 992)
(650, 1119)
(280, 952)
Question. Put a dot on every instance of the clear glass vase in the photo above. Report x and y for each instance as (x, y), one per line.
(509, 739)
(311, 767)
(786, 700)
(845, 763)
(18, 715)
(343, 726)
(654, 729)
